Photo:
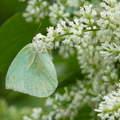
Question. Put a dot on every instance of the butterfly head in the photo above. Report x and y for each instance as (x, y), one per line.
(38, 43)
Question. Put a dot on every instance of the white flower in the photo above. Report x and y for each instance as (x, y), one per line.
(39, 43)
(88, 12)
(36, 113)
(35, 10)
(74, 3)
(102, 23)
(26, 118)
(22, 0)
(49, 101)
(111, 51)
(57, 13)
(109, 107)
(58, 116)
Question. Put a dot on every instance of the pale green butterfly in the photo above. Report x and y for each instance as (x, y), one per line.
(32, 72)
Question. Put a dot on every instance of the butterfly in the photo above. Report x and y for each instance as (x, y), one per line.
(32, 72)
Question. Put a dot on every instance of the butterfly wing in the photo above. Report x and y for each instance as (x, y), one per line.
(32, 73)
(48, 74)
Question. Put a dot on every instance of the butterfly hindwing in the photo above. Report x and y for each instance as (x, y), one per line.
(48, 72)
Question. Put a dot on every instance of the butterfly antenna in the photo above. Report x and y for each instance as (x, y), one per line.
(29, 28)
(37, 31)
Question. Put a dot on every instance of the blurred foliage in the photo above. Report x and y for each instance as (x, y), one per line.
(12, 113)
(8, 8)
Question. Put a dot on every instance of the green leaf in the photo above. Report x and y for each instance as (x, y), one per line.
(71, 78)
(10, 8)
(84, 113)
(12, 112)
(14, 34)
(68, 70)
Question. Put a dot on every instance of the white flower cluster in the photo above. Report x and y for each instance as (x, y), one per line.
(36, 10)
(38, 43)
(110, 29)
(57, 11)
(35, 115)
(60, 107)
(22, 0)
(69, 34)
(111, 51)
(76, 3)
(109, 108)
(26, 118)
(97, 69)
